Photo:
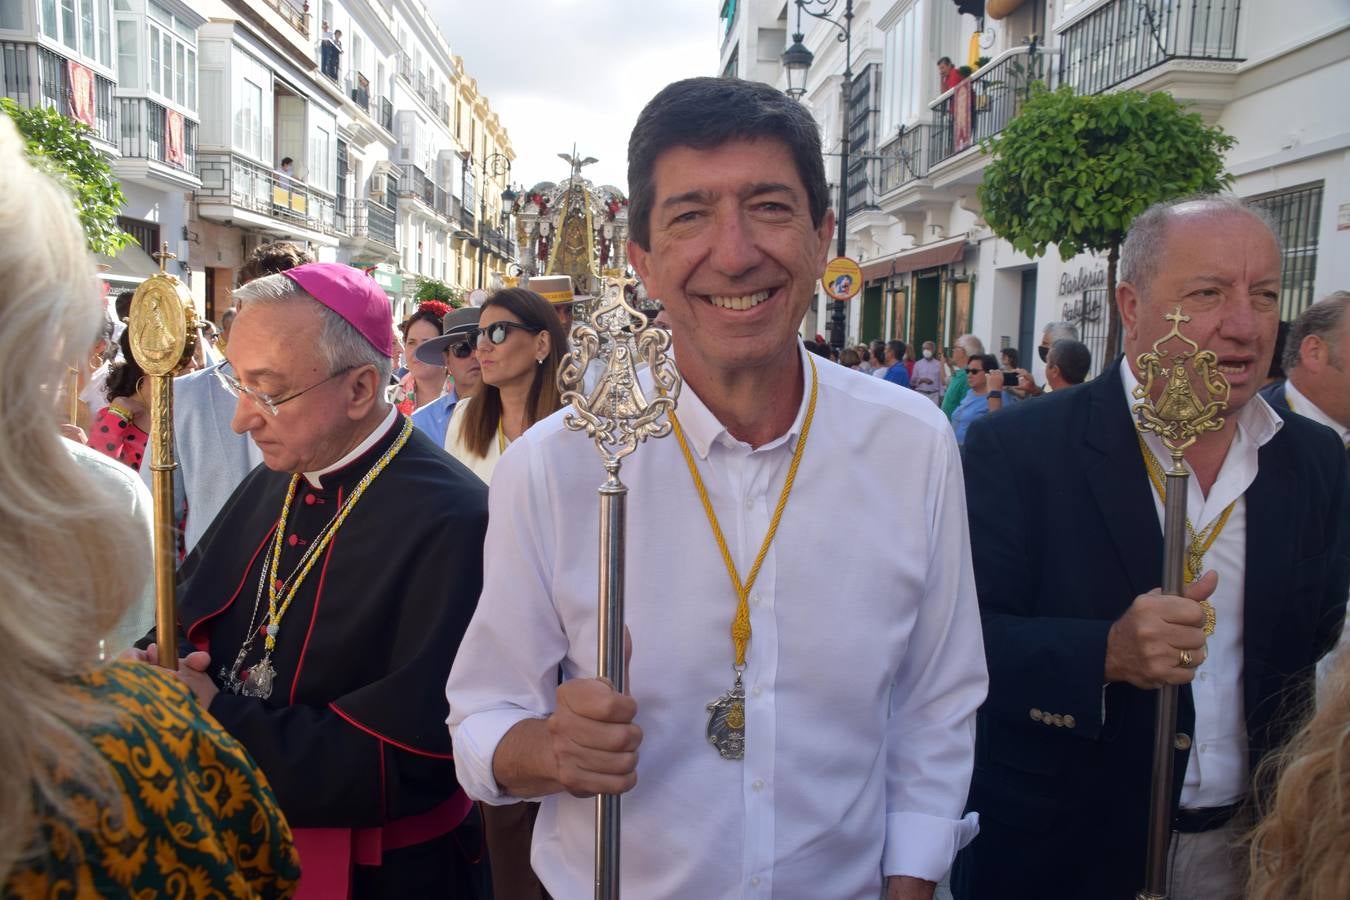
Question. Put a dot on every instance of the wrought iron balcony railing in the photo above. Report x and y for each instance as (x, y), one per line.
(982, 105)
(1125, 38)
(417, 185)
(904, 159)
(294, 12)
(232, 179)
(147, 133)
(374, 221)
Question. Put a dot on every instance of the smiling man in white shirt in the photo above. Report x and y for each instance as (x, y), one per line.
(863, 665)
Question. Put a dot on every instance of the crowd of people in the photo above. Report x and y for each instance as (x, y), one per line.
(385, 679)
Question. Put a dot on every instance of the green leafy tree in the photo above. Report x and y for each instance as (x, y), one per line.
(431, 289)
(1074, 171)
(59, 146)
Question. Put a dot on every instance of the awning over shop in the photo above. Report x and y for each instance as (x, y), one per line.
(941, 253)
(129, 267)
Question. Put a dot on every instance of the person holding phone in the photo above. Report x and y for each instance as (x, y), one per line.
(985, 395)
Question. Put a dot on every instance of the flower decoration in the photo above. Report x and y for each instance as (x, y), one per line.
(438, 308)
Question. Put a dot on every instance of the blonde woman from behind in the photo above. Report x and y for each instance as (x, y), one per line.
(1300, 850)
(114, 782)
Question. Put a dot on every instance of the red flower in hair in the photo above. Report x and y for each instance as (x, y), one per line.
(438, 308)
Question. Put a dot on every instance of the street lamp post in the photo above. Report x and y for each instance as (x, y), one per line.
(797, 60)
(494, 164)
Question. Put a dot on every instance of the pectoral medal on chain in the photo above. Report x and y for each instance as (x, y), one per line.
(726, 721)
(726, 714)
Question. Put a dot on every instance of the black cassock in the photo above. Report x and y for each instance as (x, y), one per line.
(353, 736)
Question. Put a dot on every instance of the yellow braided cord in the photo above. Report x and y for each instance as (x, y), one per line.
(1199, 544)
(274, 615)
(740, 622)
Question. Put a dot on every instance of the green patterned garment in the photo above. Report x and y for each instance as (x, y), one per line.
(198, 819)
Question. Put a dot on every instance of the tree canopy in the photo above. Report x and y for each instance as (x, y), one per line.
(431, 289)
(58, 145)
(1074, 171)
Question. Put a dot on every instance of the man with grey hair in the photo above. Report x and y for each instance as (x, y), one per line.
(213, 459)
(966, 346)
(1317, 360)
(322, 609)
(1078, 635)
(1055, 331)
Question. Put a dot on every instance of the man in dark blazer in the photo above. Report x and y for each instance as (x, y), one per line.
(1078, 637)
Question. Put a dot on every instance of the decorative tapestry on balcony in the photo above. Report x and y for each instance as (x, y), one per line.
(173, 138)
(82, 104)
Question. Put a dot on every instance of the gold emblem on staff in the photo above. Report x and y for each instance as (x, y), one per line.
(1179, 417)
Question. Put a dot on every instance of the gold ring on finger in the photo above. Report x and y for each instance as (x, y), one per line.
(1211, 618)
(1186, 659)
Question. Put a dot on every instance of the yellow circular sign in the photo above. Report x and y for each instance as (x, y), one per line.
(842, 279)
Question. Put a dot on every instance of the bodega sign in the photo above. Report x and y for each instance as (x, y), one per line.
(1084, 280)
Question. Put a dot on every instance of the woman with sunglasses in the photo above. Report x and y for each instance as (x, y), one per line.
(520, 344)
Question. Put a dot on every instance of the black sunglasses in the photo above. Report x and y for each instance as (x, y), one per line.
(462, 350)
(498, 332)
(1044, 352)
(974, 371)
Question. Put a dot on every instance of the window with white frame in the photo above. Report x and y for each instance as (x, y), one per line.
(248, 120)
(49, 18)
(87, 46)
(105, 32)
(128, 66)
(173, 57)
(68, 25)
(156, 84)
(11, 14)
(902, 94)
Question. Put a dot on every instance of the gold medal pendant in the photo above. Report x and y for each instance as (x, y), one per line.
(726, 722)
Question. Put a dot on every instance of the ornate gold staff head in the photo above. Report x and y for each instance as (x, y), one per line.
(1179, 416)
(162, 322)
(616, 413)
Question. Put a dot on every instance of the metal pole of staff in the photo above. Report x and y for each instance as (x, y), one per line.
(1178, 416)
(618, 413)
(163, 336)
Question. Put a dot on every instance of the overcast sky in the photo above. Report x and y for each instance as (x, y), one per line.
(564, 71)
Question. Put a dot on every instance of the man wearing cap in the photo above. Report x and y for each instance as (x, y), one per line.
(459, 355)
(320, 619)
(557, 290)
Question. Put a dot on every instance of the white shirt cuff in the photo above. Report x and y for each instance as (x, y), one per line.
(924, 846)
(475, 743)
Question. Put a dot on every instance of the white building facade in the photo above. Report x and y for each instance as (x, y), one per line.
(346, 126)
(127, 69)
(1266, 71)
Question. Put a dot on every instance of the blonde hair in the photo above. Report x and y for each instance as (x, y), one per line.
(1299, 849)
(70, 556)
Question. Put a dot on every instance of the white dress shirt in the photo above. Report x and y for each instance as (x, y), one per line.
(315, 479)
(1216, 770)
(1300, 404)
(865, 666)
